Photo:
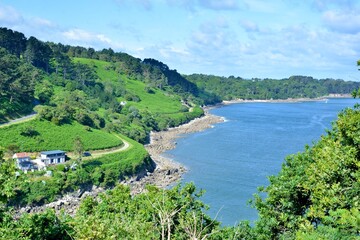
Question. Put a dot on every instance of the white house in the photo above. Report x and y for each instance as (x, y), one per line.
(53, 157)
(23, 161)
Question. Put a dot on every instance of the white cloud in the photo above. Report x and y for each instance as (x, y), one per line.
(220, 5)
(79, 34)
(146, 4)
(85, 38)
(10, 16)
(215, 5)
(324, 5)
(249, 26)
(212, 39)
(41, 22)
(30, 26)
(345, 22)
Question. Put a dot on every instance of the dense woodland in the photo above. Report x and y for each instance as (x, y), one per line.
(228, 88)
(315, 195)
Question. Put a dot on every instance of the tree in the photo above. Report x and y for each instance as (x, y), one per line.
(13, 41)
(44, 91)
(17, 81)
(78, 148)
(7, 179)
(38, 53)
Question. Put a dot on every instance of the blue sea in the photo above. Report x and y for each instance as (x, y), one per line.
(235, 157)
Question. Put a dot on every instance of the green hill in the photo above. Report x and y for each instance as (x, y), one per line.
(36, 136)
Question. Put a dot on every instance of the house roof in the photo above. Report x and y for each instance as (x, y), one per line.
(21, 155)
(52, 152)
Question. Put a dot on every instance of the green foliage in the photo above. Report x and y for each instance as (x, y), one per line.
(78, 148)
(44, 92)
(17, 82)
(158, 214)
(14, 42)
(36, 226)
(51, 136)
(7, 179)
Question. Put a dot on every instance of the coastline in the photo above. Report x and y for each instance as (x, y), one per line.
(288, 100)
(167, 171)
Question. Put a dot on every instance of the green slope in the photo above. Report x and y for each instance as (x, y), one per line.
(157, 102)
(48, 136)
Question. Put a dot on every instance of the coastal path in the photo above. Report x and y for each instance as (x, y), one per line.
(100, 153)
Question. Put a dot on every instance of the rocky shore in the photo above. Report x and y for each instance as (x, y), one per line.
(167, 171)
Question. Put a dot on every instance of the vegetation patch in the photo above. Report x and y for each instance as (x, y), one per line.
(37, 135)
(38, 188)
(157, 102)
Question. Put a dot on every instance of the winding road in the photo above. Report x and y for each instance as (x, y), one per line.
(94, 153)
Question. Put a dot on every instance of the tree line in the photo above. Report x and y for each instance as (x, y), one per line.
(229, 88)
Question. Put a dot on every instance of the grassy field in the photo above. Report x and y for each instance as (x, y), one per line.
(48, 136)
(122, 163)
(158, 102)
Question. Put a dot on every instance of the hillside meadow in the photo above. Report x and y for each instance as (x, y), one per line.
(157, 101)
(37, 135)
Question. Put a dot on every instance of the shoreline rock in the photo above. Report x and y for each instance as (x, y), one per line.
(167, 171)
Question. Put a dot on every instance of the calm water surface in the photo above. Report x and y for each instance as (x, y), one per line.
(232, 159)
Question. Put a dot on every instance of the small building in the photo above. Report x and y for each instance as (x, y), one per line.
(53, 157)
(23, 161)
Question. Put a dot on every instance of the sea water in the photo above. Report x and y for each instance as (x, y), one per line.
(235, 157)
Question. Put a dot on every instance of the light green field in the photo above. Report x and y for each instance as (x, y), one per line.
(49, 136)
(158, 102)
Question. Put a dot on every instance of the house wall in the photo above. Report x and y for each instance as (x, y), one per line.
(53, 159)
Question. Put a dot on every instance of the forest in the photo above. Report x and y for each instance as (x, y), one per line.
(229, 88)
(102, 93)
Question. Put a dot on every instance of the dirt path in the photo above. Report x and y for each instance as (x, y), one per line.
(19, 120)
(100, 153)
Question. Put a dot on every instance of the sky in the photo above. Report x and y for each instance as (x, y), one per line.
(243, 38)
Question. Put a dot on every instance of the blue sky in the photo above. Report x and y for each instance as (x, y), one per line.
(245, 38)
